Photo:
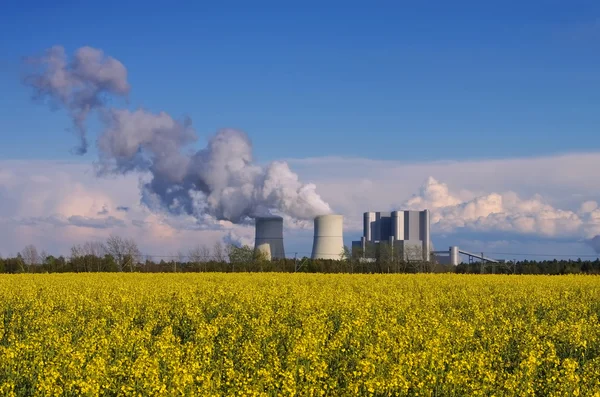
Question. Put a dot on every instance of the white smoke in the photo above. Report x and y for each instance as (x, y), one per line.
(78, 85)
(505, 212)
(238, 239)
(219, 182)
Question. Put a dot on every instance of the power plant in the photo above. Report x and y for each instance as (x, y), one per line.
(328, 242)
(406, 232)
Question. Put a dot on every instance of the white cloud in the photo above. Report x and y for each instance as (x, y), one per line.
(559, 177)
(588, 207)
(58, 204)
(505, 212)
(546, 197)
(55, 205)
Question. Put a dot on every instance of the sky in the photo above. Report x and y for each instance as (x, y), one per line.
(485, 98)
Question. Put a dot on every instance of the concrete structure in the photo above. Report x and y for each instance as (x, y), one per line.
(408, 231)
(328, 242)
(452, 256)
(269, 237)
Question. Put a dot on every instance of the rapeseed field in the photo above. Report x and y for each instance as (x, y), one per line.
(299, 335)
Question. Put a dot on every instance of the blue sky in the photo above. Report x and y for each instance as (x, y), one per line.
(389, 80)
(400, 85)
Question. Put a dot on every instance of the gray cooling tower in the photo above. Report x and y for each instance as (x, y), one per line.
(269, 237)
(329, 240)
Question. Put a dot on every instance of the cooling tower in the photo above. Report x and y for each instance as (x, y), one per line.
(328, 242)
(269, 237)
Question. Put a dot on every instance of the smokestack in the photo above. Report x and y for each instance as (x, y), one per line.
(328, 240)
(269, 237)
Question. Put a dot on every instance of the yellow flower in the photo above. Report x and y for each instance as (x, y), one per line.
(298, 334)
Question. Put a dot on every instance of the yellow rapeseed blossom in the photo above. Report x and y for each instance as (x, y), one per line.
(299, 335)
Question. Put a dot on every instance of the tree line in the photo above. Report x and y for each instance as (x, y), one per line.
(118, 254)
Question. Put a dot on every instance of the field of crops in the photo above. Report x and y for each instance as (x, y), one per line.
(299, 334)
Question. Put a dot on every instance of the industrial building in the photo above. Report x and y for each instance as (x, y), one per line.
(406, 232)
(452, 256)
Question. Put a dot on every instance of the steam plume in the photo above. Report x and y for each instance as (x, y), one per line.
(220, 181)
(78, 85)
